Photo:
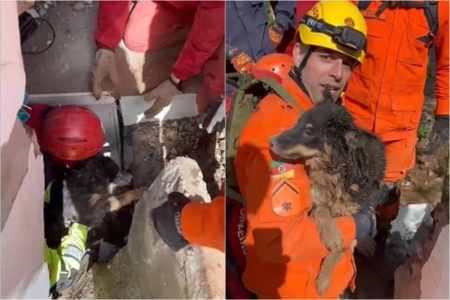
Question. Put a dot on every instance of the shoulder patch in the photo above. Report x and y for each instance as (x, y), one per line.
(279, 170)
(285, 199)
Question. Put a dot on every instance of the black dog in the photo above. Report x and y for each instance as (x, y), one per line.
(94, 186)
(94, 192)
(345, 165)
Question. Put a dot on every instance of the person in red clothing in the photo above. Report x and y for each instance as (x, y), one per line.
(149, 25)
(284, 249)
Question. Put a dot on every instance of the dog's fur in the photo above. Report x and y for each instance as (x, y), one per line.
(93, 186)
(345, 165)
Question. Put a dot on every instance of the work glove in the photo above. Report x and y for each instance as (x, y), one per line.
(364, 224)
(167, 220)
(163, 94)
(439, 133)
(240, 60)
(276, 33)
(105, 66)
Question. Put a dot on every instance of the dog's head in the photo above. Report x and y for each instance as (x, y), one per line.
(321, 127)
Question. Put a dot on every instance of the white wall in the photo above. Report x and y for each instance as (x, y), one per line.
(23, 272)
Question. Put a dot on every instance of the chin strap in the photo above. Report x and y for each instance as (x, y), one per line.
(296, 72)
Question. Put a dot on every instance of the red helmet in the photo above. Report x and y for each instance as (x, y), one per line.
(275, 63)
(72, 133)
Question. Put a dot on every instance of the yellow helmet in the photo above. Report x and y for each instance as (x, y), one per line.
(335, 25)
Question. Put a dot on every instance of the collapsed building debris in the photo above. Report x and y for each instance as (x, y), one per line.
(146, 267)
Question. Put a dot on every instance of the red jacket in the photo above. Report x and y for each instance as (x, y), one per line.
(206, 34)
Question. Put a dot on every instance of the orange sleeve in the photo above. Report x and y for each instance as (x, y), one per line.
(203, 224)
(442, 58)
(296, 237)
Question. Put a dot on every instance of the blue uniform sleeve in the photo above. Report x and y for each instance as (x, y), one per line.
(285, 13)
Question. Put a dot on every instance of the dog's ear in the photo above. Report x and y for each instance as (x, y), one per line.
(351, 140)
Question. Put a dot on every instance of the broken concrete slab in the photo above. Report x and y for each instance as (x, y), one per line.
(133, 108)
(146, 267)
(155, 143)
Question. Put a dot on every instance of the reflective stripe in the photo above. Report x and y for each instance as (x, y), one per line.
(72, 256)
(47, 194)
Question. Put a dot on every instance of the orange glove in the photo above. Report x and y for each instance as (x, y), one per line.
(241, 61)
(276, 34)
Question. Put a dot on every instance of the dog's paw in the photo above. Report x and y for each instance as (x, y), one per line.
(331, 238)
(322, 283)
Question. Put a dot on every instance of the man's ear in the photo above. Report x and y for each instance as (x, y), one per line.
(297, 54)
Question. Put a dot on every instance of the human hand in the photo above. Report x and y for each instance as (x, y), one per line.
(105, 66)
(167, 220)
(276, 33)
(163, 94)
(242, 62)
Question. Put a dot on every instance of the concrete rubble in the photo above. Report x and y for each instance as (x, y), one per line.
(146, 267)
(425, 274)
(154, 143)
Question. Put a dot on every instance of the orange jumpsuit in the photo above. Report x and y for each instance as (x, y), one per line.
(284, 250)
(386, 93)
(204, 223)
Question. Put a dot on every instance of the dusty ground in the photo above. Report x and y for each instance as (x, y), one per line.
(66, 66)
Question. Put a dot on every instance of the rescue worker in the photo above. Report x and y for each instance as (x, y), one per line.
(150, 25)
(255, 30)
(66, 135)
(386, 94)
(284, 249)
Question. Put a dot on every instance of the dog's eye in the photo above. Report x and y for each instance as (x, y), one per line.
(307, 132)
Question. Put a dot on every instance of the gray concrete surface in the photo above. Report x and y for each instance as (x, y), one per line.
(66, 66)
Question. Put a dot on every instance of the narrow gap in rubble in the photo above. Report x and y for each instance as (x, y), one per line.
(70, 194)
(121, 134)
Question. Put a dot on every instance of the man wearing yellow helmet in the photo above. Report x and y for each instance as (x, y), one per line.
(284, 249)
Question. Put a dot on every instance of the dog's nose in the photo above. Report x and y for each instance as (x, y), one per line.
(272, 142)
